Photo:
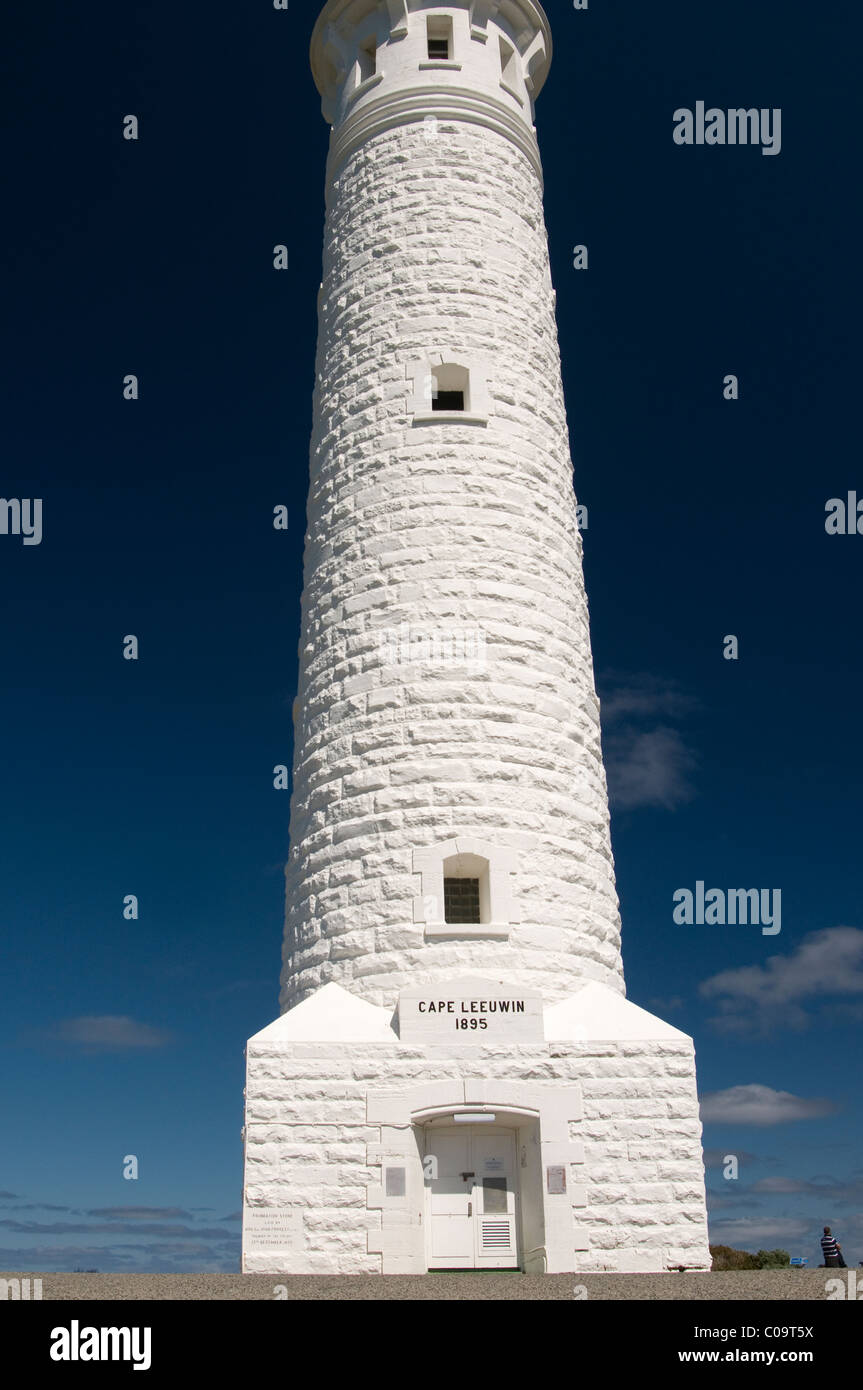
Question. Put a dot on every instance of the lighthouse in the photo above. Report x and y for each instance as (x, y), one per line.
(457, 1079)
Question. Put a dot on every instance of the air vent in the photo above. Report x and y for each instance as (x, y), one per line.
(496, 1235)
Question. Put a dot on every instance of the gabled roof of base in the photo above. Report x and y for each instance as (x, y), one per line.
(599, 1014)
(330, 1015)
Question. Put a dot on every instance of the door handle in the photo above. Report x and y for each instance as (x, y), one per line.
(470, 1208)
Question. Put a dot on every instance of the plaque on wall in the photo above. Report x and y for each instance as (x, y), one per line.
(470, 1011)
(395, 1182)
(272, 1228)
(555, 1180)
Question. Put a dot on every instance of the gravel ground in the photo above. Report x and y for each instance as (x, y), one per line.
(786, 1284)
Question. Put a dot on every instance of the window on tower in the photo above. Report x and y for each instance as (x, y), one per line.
(448, 400)
(466, 898)
(449, 388)
(444, 390)
(439, 38)
(464, 889)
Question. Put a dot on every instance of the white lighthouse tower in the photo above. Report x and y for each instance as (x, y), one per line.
(457, 1079)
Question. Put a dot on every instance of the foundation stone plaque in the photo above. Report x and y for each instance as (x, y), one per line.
(272, 1229)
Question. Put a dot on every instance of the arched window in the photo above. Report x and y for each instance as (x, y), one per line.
(450, 387)
(443, 389)
(465, 889)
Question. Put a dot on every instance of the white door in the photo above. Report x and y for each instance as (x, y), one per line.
(494, 1185)
(450, 1200)
(472, 1198)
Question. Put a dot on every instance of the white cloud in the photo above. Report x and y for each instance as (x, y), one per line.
(647, 763)
(724, 1202)
(108, 1032)
(643, 696)
(835, 1190)
(716, 1158)
(649, 768)
(781, 1185)
(751, 1233)
(759, 997)
(670, 1005)
(760, 1105)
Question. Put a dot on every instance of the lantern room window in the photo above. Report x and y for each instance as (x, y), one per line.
(368, 59)
(508, 63)
(439, 38)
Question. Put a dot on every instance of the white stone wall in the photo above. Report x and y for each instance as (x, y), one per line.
(643, 1164)
(436, 244)
(635, 1183)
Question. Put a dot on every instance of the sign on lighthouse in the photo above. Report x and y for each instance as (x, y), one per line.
(478, 1009)
(456, 1079)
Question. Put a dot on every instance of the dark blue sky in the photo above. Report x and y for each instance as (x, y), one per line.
(706, 518)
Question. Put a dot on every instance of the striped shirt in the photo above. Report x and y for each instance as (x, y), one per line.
(829, 1248)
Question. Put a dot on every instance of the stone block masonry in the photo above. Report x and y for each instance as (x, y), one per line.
(442, 526)
(635, 1181)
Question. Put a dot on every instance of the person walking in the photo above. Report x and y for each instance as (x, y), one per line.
(831, 1250)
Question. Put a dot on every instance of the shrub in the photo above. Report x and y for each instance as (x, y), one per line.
(773, 1259)
(726, 1257)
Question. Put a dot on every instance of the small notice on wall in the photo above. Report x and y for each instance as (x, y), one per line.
(394, 1182)
(556, 1180)
(272, 1228)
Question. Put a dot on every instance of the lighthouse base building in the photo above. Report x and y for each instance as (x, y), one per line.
(561, 1138)
(456, 1079)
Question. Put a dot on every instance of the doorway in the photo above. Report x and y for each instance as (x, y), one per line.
(472, 1197)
